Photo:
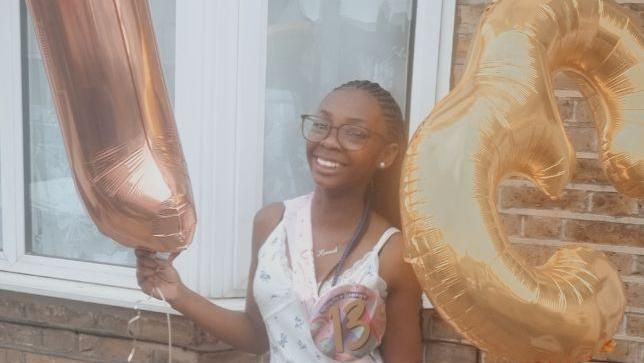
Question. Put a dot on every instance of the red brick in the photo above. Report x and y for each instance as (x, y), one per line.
(511, 223)
(634, 294)
(528, 197)
(20, 335)
(461, 47)
(620, 234)
(111, 349)
(623, 262)
(542, 227)
(589, 171)
(563, 81)
(427, 316)
(92, 318)
(457, 73)
(583, 112)
(153, 326)
(10, 308)
(11, 356)
(178, 356)
(635, 325)
(231, 357)
(38, 358)
(566, 108)
(59, 341)
(638, 265)
(613, 204)
(583, 138)
(441, 330)
(57, 312)
(468, 18)
(442, 352)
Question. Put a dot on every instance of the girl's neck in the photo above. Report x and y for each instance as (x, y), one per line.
(338, 208)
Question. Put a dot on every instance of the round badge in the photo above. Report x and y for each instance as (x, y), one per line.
(348, 322)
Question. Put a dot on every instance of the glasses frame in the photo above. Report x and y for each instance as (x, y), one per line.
(305, 117)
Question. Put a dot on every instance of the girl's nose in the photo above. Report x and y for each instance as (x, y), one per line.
(331, 140)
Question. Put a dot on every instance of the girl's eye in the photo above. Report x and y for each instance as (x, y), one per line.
(321, 125)
(355, 132)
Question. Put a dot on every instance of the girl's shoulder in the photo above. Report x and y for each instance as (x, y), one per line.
(392, 253)
(266, 219)
(269, 216)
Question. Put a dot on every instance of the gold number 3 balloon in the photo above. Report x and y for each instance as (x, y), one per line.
(501, 120)
(117, 122)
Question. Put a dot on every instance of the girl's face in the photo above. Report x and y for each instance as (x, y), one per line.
(332, 165)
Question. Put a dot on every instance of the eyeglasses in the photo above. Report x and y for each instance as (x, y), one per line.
(350, 137)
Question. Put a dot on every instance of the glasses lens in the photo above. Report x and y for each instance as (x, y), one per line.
(352, 137)
(314, 129)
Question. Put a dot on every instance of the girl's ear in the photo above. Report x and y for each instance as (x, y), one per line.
(388, 155)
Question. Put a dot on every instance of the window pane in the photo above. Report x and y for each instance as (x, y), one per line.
(314, 46)
(57, 223)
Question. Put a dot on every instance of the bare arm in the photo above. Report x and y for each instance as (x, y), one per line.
(242, 330)
(402, 342)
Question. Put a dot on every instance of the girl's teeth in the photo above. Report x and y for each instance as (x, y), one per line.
(327, 163)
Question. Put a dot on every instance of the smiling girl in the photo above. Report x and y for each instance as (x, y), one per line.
(343, 233)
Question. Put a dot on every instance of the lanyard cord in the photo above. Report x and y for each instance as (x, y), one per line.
(357, 235)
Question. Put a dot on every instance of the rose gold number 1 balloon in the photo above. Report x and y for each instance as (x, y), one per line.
(105, 75)
(500, 120)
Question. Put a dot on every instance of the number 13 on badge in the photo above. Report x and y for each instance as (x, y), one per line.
(348, 322)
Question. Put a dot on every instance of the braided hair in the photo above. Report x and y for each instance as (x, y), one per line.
(384, 190)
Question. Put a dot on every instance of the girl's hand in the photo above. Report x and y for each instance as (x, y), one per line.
(154, 274)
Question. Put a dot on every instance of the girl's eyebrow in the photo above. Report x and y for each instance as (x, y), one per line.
(325, 113)
(352, 120)
(355, 120)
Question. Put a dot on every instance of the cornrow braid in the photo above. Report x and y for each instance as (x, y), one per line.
(388, 106)
(385, 184)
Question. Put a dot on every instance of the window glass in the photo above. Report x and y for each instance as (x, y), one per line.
(314, 46)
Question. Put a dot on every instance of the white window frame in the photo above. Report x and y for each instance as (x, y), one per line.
(219, 106)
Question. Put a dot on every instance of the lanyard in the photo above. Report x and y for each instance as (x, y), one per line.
(360, 230)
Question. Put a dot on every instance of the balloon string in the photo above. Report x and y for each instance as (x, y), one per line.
(131, 328)
(167, 316)
(137, 317)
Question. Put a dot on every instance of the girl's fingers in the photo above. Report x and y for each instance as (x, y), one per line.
(146, 261)
(147, 287)
(145, 272)
(143, 253)
(146, 265)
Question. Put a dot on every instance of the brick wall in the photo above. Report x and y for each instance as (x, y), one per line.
(37, 329)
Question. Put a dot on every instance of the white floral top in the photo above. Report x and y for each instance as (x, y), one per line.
(284, 311)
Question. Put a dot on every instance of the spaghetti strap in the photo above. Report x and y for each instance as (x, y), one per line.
(384, 238)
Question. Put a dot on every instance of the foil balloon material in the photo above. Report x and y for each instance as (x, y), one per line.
(501, 120)
(122, 143)
(348, 322)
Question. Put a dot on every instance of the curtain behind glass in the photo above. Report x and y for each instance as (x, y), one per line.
(57, 223)
(314, 46)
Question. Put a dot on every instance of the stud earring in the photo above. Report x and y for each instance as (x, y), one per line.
(382, 165)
